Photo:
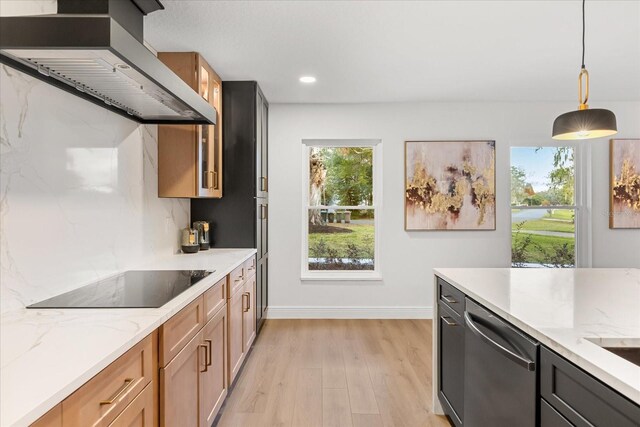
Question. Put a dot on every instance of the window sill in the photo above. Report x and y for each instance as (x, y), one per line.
(341, 277)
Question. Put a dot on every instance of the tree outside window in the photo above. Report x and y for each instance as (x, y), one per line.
(543, 207)
(341, 211)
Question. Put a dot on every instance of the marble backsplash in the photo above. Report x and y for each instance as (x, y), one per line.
(78, 193)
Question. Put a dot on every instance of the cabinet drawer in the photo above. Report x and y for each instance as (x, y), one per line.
(214, 299)
(102, 398)
(176, 332)
(250, 266)
(236, 280)
(582, 399)
(140, 413)
(549, 417)
(451, 296)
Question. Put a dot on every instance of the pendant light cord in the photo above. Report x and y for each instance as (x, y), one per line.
(583, 25)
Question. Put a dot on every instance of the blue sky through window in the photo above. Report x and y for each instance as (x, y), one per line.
(537, 164)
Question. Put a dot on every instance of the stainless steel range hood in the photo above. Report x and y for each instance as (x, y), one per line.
(94, 49)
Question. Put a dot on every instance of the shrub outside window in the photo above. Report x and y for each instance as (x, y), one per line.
(340, 233)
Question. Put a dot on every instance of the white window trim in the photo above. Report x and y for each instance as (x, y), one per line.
(342, 275)
(582, 163)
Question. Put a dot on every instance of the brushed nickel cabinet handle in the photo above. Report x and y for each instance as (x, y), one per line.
(449, 299)
(206, 367)
(448, 321)
(209, 352)
(127, 383)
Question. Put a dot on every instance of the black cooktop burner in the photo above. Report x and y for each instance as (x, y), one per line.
(131, 289)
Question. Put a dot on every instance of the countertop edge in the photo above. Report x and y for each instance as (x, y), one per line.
(163, 314)
(597, 372)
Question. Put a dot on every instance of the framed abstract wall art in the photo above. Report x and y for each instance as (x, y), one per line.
(450, 185)
(624, 192)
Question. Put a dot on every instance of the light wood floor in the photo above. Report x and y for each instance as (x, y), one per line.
(366, 373)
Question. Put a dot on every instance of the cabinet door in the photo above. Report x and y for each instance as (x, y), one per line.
(581, 398)
(262, 224)
(213, 381)
(180, 329)
(451, 361)
(209, 147)
(261, 146)
(236, 351)
(262, 278)
(179, 385)
(140, 413)
(264, 129)
(249, 313)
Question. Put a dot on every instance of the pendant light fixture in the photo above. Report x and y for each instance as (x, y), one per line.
(584, 123)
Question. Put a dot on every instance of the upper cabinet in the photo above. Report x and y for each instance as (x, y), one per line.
(190, 156)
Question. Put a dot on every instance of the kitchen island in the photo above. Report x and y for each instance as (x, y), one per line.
(573, 314)
(47, 354)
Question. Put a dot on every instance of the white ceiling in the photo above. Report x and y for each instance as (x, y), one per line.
(375, 51)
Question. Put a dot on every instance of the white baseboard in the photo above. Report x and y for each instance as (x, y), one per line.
(315, 312)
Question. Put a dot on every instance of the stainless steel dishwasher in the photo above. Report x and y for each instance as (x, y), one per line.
(500, 372)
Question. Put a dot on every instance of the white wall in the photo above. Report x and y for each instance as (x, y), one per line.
(409, 257)
(78, 192)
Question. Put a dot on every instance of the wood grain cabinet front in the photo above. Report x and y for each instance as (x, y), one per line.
(236, 280)
(176, 332)
(141, 412)
(215, 298)
(235, 308)
(190, 156)
(53, 418)
(105, 396)
(213, 381)
(250, 266)
(249, 313)
(194, 384)
(179, 385)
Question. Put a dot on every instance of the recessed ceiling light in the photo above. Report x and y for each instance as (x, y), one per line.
(308, 79)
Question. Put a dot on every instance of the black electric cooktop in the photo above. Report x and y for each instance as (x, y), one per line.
(131, 289)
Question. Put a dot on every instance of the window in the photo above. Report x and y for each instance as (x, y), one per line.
(543, 207)
(341, 202)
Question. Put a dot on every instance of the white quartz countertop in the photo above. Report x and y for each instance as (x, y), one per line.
(568, 310)
(46, 354)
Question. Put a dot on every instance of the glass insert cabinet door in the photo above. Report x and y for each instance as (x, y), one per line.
(209, 136)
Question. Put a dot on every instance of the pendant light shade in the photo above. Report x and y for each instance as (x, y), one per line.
(584, 123)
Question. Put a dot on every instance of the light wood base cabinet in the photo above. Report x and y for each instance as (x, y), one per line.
(249, 313)
(213, 382)
(140, 413)
(53, 418)
(236, 344)
(179, 385)
(194, 384)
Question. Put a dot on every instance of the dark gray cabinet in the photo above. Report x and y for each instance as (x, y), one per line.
(240, 219)
(549, 417)
(581, 399)
(451, 363)
(558, 393)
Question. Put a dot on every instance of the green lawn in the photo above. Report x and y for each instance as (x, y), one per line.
(546, 225)
(565, 214)
(362, 236)
(544, 246)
